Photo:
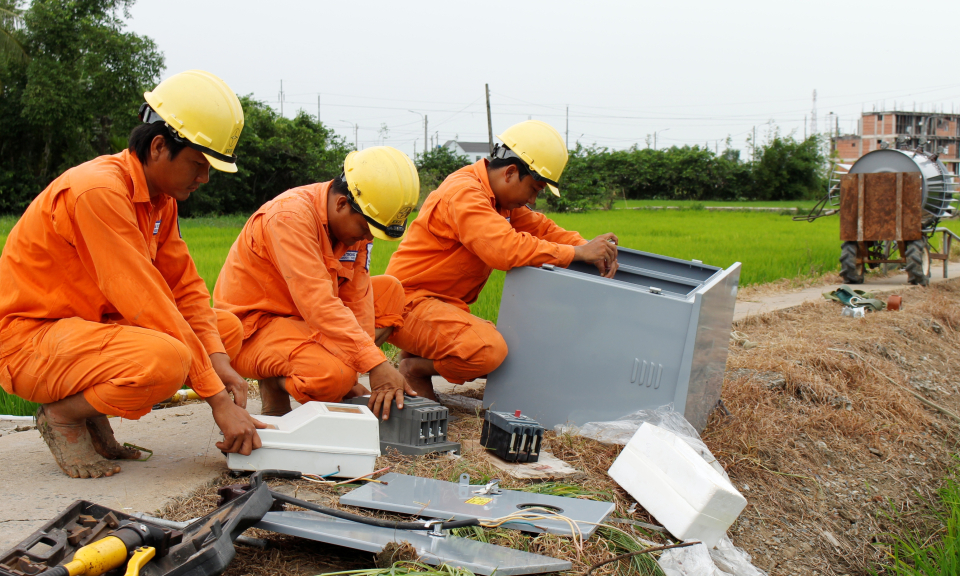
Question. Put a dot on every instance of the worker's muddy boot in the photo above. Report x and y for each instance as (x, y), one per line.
(274, 399)
(73, 449)
(105, 443)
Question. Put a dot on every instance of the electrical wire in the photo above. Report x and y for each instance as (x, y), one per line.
(420, 525)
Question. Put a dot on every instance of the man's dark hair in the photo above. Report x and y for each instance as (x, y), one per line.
(522, 169)
(143, 135)
(340, 185)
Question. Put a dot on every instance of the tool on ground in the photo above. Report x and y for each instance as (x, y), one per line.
(432, 548)
(417, 429)
(890, 202)
(512, 437)
(634, 349)
(855, 298)
(316, 438)
(88, 539)
(527, 511)
(894, 302)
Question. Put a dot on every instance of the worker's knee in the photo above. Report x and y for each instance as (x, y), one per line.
(169, 366)
(386, 287)
(493, 353)
(231, 332)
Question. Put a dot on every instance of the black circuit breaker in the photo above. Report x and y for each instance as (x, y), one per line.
(420, 428)
(512, 437)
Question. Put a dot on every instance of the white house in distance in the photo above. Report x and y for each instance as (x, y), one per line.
(472, 150)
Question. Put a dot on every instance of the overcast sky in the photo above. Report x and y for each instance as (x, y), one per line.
(695, 72)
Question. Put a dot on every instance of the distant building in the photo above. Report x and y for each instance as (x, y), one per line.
(472, 150)
(935, 133)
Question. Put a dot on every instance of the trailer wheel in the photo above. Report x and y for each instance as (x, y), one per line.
(918, 262)
(850, 271)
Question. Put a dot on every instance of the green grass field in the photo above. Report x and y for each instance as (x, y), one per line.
(784, 204)
(770, 246)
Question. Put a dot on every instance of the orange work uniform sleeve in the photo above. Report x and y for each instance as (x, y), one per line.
(292, 245)
(189, 290)
(110, 246)
(524, 219)
(488, 235)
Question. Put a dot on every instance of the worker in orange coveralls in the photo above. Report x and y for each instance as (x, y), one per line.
(298, 277)
(101, 307)
(478, 220)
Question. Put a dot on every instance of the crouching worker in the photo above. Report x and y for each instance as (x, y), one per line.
(478, 220)
(298, 277)
(102, 311)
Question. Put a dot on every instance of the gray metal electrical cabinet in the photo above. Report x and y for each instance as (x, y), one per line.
(583, 348)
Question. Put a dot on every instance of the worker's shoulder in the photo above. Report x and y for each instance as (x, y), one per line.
(295, 204)
(108, 175)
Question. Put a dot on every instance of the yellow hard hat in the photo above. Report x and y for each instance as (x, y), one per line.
(384, 187)
(201, 111)
(539, 146)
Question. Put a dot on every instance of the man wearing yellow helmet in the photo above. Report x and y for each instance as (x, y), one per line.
(478, 220)
(102, 311)
(298, 277)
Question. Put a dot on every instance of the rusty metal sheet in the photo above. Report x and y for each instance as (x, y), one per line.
(880, 206)
(912, 207)
(848, 206)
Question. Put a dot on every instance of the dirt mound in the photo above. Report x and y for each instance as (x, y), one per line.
(827, 439)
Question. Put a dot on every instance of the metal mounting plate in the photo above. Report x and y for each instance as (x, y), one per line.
(438, 499)
(476, 556)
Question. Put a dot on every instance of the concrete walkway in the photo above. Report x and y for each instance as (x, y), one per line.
(185, 457)
(888, 285)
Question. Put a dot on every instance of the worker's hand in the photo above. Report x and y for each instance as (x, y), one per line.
(387, 385)
(601, 252)
(233, 382)
(238, 426)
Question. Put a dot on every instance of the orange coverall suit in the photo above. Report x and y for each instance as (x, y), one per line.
(458, 238)
(309, 307)
(99, 295)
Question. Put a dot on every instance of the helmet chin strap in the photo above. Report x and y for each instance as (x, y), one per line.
(393, 231)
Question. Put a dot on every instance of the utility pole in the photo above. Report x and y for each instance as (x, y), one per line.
(813, 116)
(318, 107)
(489, 120)
(754, 142)
(566, 140)
(281, 98)
(424, 135)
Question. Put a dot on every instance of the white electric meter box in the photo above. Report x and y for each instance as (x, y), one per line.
(342, 440)
(677, 486)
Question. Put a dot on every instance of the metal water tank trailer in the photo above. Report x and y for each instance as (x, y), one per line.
(583, 348)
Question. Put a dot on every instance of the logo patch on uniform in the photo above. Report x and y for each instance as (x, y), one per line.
(369, 253)
(349, 256)
(156, 227)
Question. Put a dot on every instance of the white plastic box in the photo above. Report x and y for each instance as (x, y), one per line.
(316, 438)
(677, 486)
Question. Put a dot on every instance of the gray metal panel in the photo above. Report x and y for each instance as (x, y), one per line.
(438, 499)
(698, 391)
(476, 556)
(584, 348)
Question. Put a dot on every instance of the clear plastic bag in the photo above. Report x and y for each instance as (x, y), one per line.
(723, 560)
(621, 430)
(690, 561)
(732, 560)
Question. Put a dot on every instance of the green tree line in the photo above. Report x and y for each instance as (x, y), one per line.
(72, 78)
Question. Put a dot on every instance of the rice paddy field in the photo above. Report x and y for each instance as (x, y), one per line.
(769, 245)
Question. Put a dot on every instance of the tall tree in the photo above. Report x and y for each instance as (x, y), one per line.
(11, 23)
(76, 97)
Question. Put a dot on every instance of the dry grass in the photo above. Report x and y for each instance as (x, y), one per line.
(798, 445)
